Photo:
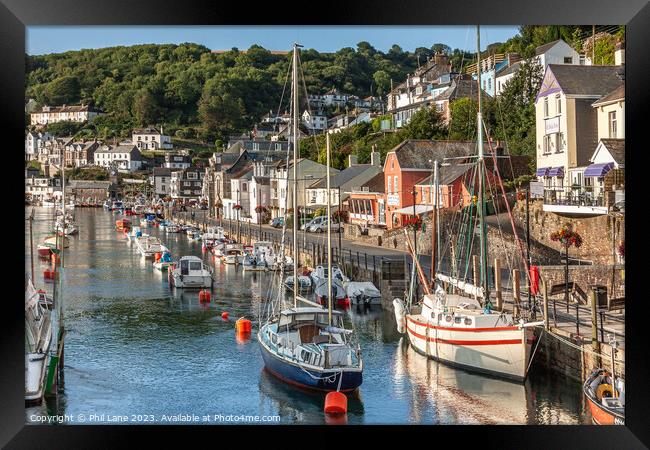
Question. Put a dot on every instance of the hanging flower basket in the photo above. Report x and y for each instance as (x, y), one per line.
(567, 236)
(237, 207)
(521, 195)
(413, 222)
(260, 209)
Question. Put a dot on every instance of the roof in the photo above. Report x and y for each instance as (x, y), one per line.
(616, 148)
(459, 88)
(416, 153)
(117, 149)
(587, 80)
(147, 130)
(419, 209)
(263, 181)
(88, 184)
(67, 108)
(544, 48)
(341, 177)
(512, 68)
(614, 96)
(375, 184)
(447, 174)
(162, 171)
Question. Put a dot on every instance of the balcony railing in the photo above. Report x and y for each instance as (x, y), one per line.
(569, 196)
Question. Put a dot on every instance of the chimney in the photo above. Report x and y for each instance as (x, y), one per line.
(375, 158)
(619, 55)
(352, 160)
(46, 170)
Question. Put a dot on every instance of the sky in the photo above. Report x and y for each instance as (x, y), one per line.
(54, 39)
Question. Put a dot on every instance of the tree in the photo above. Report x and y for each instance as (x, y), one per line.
(462, 125)
(515, 110)
(382, 82)
(220, 110)
(60, 91)
(425, 124)
(441, 48)
(145, 108)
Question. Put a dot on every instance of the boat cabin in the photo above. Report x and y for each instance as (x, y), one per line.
(191, 265)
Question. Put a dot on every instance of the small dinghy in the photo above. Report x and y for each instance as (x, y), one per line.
(304, 282)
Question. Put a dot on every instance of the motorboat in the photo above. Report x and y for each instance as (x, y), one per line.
(148, 246)
(172, 228)
(338, 292)
(233, 254)
(62, 240)
(261, 257)
(304, 282)
(122, 224)
(190, 272)
(46, 250)
(134, 233)
(38, 337)
(164, 262)
(320, 273)
(363, 293)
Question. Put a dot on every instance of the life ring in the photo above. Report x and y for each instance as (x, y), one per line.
(604, 390)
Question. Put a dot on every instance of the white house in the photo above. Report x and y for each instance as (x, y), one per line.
(150, 138)
(39, 188)
(177, 161)
(334, 97)
(161, 181)
(556, 52)
(314, 122)
(65, 113)
(34, 142)
(567, 128)
(124, 158)
(260, 195)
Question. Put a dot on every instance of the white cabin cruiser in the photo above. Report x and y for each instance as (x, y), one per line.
(233, 254)
(149, 245)
(190, 272)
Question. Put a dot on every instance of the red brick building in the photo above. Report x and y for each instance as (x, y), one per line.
(367, 203)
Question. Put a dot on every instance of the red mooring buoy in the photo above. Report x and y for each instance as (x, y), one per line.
(336, 403)
(243, 326)
(224, 315)
(204, 296)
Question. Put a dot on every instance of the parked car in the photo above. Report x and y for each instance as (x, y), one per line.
(312, 222)
(278, 222)
(321, 227)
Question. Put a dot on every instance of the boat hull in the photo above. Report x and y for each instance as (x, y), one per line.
(190, 281)
(503, 352)
(601, 416)
(307, 379)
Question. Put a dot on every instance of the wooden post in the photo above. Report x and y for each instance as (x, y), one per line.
(595, 343)
(545, 296)
(475, 281)
(497, 283)
(515, 291)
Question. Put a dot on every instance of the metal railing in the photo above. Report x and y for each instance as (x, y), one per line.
(574, 196)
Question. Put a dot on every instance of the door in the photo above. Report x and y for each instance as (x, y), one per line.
(185, 268)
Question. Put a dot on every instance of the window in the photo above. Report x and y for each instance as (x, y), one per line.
(244, 187)
(390, 186)
(612, 124)
(559, 142)
(558, 104)
(568, 60)
(545, 106)
(396, 190)
(489, 83)
(547, 144)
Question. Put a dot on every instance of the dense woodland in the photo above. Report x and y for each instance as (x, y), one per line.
(203, 96)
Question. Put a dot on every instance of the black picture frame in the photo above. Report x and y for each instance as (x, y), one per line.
(15, 15)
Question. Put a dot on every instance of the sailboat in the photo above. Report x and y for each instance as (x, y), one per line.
(462, 330)
(308, 346)
(38, 336)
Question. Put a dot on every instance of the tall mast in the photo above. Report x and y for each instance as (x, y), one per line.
(481, 170)
(329, 237)
(296, 257)
(434, 222)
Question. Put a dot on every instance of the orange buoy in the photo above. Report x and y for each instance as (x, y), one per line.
(204, 295)
(54, 257)
(157, 256)
(344, 302)
(243, 326)
(224, 315)
(336, 403)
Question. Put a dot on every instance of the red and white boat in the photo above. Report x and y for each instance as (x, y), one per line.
(45, 250)
(457, 331)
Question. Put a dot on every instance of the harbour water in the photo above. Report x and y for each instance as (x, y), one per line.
(136, 349)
